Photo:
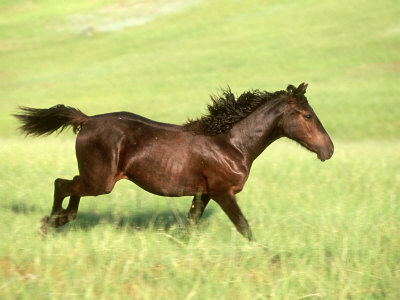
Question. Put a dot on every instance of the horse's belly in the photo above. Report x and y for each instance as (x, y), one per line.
(167, 178)
(168, 185)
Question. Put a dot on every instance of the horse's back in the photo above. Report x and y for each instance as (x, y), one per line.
(117, 119)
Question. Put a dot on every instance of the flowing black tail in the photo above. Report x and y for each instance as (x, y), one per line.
(36, 121)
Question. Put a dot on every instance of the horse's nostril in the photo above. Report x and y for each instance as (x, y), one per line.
(331, 150)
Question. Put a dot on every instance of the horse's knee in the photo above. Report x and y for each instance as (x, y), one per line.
(60, 190)
(81, 186)
(58, 183)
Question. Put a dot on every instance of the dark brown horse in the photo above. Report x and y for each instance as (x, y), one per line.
(208, 158)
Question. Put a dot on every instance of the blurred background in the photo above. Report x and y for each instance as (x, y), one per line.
(162, 58)
(326, 230)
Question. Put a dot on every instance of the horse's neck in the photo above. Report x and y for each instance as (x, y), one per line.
(258, 130)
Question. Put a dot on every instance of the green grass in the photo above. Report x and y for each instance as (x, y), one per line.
(326, 230)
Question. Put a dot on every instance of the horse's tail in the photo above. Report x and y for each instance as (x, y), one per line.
(36, 121)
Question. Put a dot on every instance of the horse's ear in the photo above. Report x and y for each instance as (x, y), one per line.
(301, 89)
(291, 89)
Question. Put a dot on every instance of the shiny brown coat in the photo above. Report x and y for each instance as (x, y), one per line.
(173, 160)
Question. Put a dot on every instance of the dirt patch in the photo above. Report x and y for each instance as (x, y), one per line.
(121, 15)
(376, 68)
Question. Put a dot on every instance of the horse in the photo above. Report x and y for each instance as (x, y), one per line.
(207, 158)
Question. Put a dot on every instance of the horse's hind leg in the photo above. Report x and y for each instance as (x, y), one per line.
(60, 216)
(199, 203)
(76, 188)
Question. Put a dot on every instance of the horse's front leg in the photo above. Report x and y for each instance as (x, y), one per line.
(229, 205)
(199, 203)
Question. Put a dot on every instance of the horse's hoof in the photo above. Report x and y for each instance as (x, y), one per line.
(45, 219)
(44, 230)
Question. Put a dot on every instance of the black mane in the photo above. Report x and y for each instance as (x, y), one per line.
(225, 110)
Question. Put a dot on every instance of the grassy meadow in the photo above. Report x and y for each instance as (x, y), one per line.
(324, 230)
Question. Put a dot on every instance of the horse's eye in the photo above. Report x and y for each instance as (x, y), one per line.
(307, 117)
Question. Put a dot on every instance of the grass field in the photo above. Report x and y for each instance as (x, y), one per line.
(324, 230)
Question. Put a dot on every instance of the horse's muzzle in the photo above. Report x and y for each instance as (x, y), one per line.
(326, 152)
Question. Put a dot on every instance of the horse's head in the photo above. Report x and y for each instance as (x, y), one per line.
(300, 123)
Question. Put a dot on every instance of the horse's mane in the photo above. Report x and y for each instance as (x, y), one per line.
(226, 110)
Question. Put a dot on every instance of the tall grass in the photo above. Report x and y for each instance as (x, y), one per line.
(326, 230)
(323, 230)
(166, 69)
